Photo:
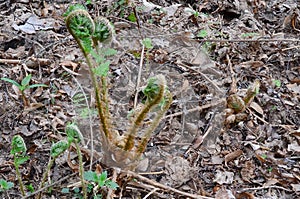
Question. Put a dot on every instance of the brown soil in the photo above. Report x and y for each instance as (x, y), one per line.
(208, 50)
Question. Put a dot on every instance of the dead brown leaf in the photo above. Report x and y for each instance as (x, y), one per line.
(233, 155)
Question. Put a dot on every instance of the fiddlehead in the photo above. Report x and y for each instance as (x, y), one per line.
(103, 31)
(155, 93)
(92, 37)
(102, 35)
(164, 106)
(81, 26)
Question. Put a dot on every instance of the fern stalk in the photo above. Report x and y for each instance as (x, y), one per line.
(129, 144)
(90, 36)
(104, 117)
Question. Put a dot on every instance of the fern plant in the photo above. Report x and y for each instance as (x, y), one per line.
(24, 86)
(18, 150)
(56, 150)
(92, 37)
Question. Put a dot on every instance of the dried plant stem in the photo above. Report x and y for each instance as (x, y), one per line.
(249, 40)
(90, 122)
(139, 77)
(81, 170)
(233, 88)
(199, 108)
(163, 187)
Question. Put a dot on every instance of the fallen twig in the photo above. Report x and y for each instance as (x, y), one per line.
(266, 187)
(35, 61)
(50, 185)
(164, 187)
(199, 108)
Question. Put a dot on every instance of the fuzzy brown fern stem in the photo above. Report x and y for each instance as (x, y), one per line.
(155, 94)
(82, 27)
(92, 37)
(102, 36)
(165, 106)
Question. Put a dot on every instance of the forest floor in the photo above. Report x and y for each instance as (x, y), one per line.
(207, 50)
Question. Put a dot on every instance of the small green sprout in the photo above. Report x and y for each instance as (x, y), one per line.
(274, 108)
(270, 169)
(56, 150)
(131, 17)
(30, 188)
(193, 12)
(152, 89)
(103, 30)
(72, 8)
(24, 86)
(76, 192)
(249, 34)
(100, 179)
(147, 43)
(73, 133)
(202, 33)
(208, 46)
(75, 136)
(65, 190)
(19, 152)
(88, 2)
(4, 185)
(277, 83)
(263, 156)
(196, 14)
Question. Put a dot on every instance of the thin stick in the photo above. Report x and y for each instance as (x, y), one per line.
(261, 119)
(139, 77)
(10, 61)
(198, 108)
(203, 75)
(164, 187)
(266, 187)
(208, 79)
(33, 59)
(248, 40)
(290, 48)
(233, 88)
(90, 121)
(221, 40)
(150, 193)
